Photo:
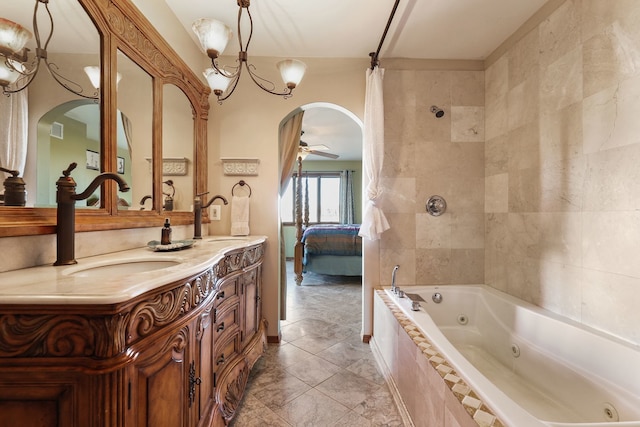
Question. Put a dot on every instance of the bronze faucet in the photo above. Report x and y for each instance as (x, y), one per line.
(66, 197)
(197, 212)
(143, 200)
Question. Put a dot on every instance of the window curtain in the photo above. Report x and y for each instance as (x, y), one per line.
(374, 223)
(128, 132)
(347, 198)
(14, 118)
(289, 143)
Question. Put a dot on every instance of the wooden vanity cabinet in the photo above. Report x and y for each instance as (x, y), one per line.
(178, 356)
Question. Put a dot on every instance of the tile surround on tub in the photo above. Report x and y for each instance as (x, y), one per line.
(466, 398)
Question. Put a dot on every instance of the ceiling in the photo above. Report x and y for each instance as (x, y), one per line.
(423, 29)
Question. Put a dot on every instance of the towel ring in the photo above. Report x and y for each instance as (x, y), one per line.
(241, 183)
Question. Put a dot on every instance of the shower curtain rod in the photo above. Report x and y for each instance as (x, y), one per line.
(374, 55)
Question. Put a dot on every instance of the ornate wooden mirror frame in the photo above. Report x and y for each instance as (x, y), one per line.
(124, 28)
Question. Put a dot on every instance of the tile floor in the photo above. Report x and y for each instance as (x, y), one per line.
(321, 374)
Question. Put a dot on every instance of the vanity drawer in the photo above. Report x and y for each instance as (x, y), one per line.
(228, 289)
(227, 319)
(226, 351)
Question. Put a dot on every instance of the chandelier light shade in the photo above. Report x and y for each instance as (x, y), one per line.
(13, 37)
(217, 82)
(214, 36)
(93, 72)
(292, 72)
(17, 70)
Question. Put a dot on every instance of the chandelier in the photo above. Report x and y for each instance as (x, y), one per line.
(214, 36)
(17, 70)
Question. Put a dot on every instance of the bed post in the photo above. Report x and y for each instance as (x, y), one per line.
(299, 247)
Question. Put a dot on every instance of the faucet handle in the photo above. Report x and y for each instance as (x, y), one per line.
(71, 167)
(12, 172)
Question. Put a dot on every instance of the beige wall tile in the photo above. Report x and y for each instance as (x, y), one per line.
(561, 82)
(610, 117)
(399, 195)
(560, 33)
(561, 133)
(433, 232)
(467, 230)
(405, 258)
(561, 289)
(467, 88)
(496, 155)
(402, 231)
(433, 266)
(610, 242)
(611, 181)
(523, 101)
(523, 147)
(523, 58)
(467, 266)
(610, 302)
(467, 124)
(496, 198)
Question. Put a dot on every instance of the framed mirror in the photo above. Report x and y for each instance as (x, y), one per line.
(128, 47)
(177, 152)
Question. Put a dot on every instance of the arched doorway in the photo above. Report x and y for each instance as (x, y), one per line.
(329, 131)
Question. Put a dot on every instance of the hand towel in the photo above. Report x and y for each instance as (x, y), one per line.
(240, 216)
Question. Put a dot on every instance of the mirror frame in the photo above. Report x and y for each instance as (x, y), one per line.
(123, 27)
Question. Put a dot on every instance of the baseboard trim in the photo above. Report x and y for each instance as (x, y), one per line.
(273, 339)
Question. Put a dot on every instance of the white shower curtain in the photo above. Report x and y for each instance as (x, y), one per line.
(374, 223)
(13, 131)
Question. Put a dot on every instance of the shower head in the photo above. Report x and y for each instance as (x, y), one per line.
(439, 112)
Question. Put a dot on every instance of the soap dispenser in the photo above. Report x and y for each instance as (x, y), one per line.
(166, 233)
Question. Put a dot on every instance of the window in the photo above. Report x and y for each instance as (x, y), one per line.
(324, 198)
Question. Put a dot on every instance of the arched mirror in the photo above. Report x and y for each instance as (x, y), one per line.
(68, 52)
(135, 144)
(177, 150)
(142, 91)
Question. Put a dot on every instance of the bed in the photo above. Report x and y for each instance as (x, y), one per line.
(332, 249)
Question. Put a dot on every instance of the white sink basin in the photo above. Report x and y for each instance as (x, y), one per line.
(119, 267)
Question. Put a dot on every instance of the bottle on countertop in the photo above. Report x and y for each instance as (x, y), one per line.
(166, 233)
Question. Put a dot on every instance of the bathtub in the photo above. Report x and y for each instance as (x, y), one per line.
(528, 365)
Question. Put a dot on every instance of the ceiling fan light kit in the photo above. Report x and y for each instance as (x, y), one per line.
(223, 80)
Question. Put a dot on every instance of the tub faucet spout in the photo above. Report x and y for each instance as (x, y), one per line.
(66, 214)
(394, 288)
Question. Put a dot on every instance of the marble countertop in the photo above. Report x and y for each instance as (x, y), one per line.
(71, 285)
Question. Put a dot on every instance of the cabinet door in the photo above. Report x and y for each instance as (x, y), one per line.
(51, 401)
(160, 381)
(202, 392)
(251, 304)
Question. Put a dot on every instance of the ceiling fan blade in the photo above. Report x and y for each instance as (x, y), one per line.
(320, 153)
(318, 147)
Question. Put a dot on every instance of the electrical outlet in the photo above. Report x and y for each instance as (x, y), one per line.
(216, 212)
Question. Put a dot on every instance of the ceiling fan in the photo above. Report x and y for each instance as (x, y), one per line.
(306, 149)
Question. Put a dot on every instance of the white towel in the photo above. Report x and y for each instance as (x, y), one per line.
(240, 216)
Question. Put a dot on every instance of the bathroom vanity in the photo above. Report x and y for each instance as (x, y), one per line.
(134, 338)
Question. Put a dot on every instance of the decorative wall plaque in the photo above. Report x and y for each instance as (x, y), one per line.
(240, 166)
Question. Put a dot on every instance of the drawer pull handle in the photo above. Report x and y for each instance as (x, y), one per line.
(220, 360)
(220, 327)
(220, 295)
